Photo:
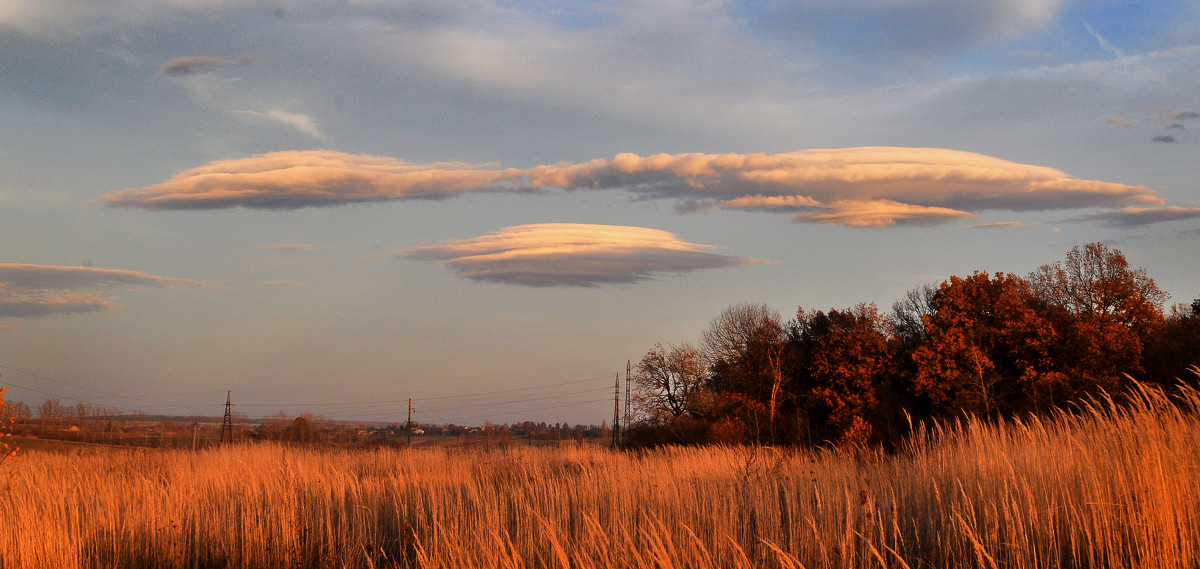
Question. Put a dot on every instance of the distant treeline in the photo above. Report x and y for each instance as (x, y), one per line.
(96, 424)
(993, 345)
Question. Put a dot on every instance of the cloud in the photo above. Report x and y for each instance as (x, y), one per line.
(284, 284)
(883, 185)
(852, 213)
(760, 202)
(569, 254)
(1176, 126)
(996, 225)
(881, 213)
(1121, 122)
(928, 27)
(191, 65)
(1179, 115)
(287, 247)
(295, 179)
(40, 290)
(1132, 216)
(1165, 138)
(1104, 43)
(932, 177)
(298, 121)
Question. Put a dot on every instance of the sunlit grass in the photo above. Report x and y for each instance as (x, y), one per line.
(1105, 486)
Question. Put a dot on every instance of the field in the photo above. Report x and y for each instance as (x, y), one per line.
(1104, 486)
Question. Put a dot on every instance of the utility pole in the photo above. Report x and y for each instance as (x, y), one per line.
(408, 425)
(616, 440)
(627, 369)
(227, 424)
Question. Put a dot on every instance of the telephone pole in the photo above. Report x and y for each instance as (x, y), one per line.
(408, 425)
(616, 440)
(227, 424)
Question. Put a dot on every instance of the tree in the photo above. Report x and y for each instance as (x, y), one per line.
(50, 412)
(842, 358)
(907, 321)
(301, 429)
(7, 451)
(1116, 310)
(1174, 350)
(1096, 283)
(667, 381)
(745, 345)
(989, 346)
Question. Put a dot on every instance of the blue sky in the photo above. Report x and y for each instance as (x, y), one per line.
(489, 207)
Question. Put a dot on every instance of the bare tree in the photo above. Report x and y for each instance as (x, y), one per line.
(668, 380)
(906, 322)
(750, 339)
(50, 412)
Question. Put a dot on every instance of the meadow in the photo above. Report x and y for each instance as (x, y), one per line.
(1100, 485)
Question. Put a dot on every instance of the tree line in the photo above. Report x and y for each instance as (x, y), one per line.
(994, 345)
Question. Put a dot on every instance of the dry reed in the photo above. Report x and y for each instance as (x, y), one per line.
(1103, 486)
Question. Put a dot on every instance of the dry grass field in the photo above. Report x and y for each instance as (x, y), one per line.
(1101, 487)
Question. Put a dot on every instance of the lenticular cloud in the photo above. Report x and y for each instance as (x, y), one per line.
(861, 187)
(41, 290)
(569, 254)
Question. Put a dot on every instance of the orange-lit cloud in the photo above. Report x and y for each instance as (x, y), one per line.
(938, 184)
(881, 213)
(918, 176)
(39, 290)
(853, 213)
(771, 203)
(571, 254)
(997, 225)
(294, 179)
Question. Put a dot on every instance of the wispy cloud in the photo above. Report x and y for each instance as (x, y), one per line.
(568, 254)
(875, 182)
(1104, 43)
(192, 65)
(284, 284)
(39, 290)
(1133, 216)
(1178, 115)
(996, 225)
(298, 121)
(1164, 138)
(288, 247)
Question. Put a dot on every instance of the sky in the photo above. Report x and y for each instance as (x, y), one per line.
(490, 207)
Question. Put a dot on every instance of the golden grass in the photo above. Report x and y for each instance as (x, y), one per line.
(1102, 487)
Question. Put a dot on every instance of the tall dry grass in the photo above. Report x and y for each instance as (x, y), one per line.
(1105, 486)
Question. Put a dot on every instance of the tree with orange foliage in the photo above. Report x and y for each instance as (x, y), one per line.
(7, 451)
(990, 346)
(842, 358)
(1115, 309)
